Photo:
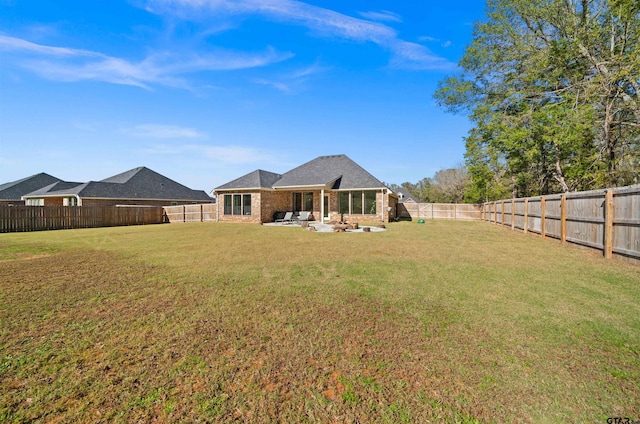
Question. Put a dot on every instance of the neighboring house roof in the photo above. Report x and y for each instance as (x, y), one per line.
(137, 183)
(337, 172)
(16, 189)
(405, 196)
(257, 179)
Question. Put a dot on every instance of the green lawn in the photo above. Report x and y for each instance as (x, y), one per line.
(446, 321)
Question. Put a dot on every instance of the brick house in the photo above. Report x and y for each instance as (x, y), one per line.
(138, 186)
(332, 188)
(11, 193)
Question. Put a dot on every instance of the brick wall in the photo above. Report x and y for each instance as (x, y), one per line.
(256, 200)
(266, 202)
(275, 201)
(53, 201)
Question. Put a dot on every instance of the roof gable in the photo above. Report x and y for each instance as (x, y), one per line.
(16, 189)
(405, 196)
(337, 171)
(258, 179)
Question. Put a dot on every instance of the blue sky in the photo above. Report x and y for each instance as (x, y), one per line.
(204, 91)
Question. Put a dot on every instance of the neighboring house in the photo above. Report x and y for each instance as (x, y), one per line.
(332, 188)
(405, 197)
(138, 186)
(11, 193)
(406, 202)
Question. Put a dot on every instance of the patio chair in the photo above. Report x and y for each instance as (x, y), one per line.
(303, 216)
(288, 218)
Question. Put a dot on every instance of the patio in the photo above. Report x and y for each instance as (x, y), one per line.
(322, 228)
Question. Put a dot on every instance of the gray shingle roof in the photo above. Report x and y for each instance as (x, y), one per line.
(337, 171)
(16, 189)
(406, 196)
(137, 183)
(257, 179)
(65, 187)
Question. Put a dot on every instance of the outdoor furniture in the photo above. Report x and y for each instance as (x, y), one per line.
(288, 218)
(303, 216)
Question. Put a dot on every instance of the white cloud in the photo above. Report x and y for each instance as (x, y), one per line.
(275, 84)
(68, 64)
(308, 71)
(162, 131)
(382, 16)
(322, 21)
(223, 155)
(415, 56)
(446, 43)
(293, 81)
(16, 44)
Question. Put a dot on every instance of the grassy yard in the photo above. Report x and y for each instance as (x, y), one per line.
(446, 321)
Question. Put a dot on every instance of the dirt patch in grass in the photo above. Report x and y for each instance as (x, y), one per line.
(134, 327)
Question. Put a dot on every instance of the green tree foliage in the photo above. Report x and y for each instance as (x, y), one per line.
(552, 87)
(446, 186)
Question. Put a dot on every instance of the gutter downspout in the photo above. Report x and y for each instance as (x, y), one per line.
(382, 205)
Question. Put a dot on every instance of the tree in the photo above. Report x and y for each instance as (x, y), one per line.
(451, 184)
(552, 88)
(446, 186)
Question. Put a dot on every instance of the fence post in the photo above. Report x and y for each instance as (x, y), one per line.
(525, 224)
(184, 213)
(502, 214)
(608, 224)
(543, 217)
(513, 214)
(201, 213)
(563, 219)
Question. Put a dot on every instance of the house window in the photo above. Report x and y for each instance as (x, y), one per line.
(343, 202)
(228, 198)
(246, 204)
(357, 202)
(237, 204)
(70, 201)
(303, 201)
(307, 201)
(35, 202)
(297, 201)
(370, 202)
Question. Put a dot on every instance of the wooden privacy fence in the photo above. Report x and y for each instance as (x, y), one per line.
(606, 220)
(190, 213)
(453, 211)
(39, 218)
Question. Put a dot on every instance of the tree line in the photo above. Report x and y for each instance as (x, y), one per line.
(446, 186)
(551, 87)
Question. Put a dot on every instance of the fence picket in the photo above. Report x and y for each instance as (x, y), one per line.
(39, 218)
(605, 220)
